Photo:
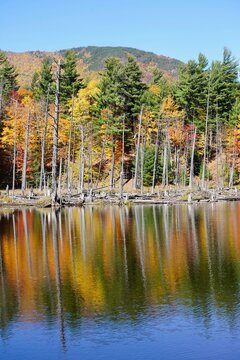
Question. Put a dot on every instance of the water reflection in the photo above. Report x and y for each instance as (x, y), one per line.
(119, 263)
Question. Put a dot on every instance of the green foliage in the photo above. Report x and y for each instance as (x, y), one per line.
(120, 92)
(43, 82)
(8, 76)
(71, 83)
(109, 94)
(224, 85)
(148, 167)
(191, 90)
(208, 175)
(195, 80)
(131, 88)
(234, 115)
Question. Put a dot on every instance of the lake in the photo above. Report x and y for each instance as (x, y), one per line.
(139, 282)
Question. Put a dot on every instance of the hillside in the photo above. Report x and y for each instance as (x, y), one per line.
(91, 59)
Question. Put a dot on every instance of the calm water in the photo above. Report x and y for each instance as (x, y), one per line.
(153, 282)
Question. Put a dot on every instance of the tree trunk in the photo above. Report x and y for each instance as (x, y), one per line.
(217, 144)
(113, 163)
(122, 162)
(55, 135)
(60, 178)
(81, 162)
(42, 172)
(186, 162)
(192, 160)
(165, 159)
(233, 166)
(24, 169)
(135, 184)
(90, 170)
(14, 151)
(205, 139)
(221, 162)
(69, 185)
(143, 148)
(156, 157)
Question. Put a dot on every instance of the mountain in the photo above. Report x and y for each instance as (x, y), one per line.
(92, 59)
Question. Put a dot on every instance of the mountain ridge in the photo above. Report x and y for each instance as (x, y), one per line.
(92, 59)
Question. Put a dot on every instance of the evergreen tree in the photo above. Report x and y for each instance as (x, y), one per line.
(70, 80)
(8, 76)
(191, 90)
(131, 88)
(224, 86)
(43, 81)
(148, 167)
(110, 85)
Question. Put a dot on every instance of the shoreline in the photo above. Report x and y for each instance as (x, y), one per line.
(103, 199)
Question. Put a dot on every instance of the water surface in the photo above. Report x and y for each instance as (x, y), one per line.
(144, 282)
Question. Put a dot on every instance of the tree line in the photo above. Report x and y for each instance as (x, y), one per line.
(65, 133)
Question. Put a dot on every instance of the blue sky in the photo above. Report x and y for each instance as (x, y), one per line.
(175, 28)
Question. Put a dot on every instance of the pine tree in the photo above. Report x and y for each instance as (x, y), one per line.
(43, 80)
(109, 87)
(70, 80)
(191, 90)
(131, 89)
(8, 76)
(224, 86)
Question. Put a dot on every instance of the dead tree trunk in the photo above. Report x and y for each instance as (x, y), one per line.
(122, 162)
(143, 151)
(55, 135)
(135, 184)
(69, 149)
(81, 161)
(42, 171)
(90, 167)
(221, 161)
(60, 178)
(233, 166)
(14, 150)
(24, 169)
(165, 159)
(112, 163)
(156, 157)
(217, 145)
(192, 160)
(205, 140)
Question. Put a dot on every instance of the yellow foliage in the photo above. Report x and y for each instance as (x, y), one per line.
(170, 109)
(155, 89)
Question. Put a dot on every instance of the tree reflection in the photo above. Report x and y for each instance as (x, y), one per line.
(119, 261)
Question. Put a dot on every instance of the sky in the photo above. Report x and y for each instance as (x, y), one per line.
(175, 28)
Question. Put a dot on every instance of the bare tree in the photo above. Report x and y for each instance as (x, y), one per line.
(206, 136)
(25, 156)
(135, 184)
(42, 171)
(55, 135)
(81, 161)
(14, 149)
(192, 160)
(156, 156)
(122, 161)
(112, 162)
(69, 183)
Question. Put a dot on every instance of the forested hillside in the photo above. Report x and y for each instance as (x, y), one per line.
(91, 59)
(70, 132)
